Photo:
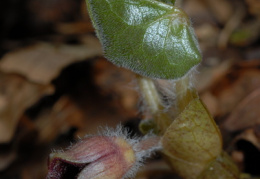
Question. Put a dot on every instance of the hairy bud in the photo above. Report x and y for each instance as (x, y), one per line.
(112, 155)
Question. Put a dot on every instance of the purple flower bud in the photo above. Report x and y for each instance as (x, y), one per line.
(108, 157)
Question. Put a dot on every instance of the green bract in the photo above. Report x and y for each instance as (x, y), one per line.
(149, 37)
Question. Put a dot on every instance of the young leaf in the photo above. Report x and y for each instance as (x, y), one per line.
(150, 37)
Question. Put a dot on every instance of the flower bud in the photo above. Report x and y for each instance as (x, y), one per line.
(113, 156)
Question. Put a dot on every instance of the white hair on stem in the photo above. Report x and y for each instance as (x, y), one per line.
(167, 88)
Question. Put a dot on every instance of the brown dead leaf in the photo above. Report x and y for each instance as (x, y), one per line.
(250, 135)
(211, 102)
(16, 95)
(197, 9)
(6, 159)
(207, 35)
(246, 34)
(254, 7)
(247, 151)
(222, 9)
(232, 23)
(64, 115)
(209, 75)
(42, 62)
(246, 114)
(53, 11)
(232, 89)
(80, 27)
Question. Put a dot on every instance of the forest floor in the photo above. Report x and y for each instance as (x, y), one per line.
(56, 86)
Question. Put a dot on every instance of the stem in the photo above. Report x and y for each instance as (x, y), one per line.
(149, 144)
(150, 94)
(185, 93)
(154, 104)
(163, 117)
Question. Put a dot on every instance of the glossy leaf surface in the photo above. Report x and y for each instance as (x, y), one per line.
(151, 38)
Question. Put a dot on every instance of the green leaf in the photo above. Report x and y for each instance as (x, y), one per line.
(149, 37)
